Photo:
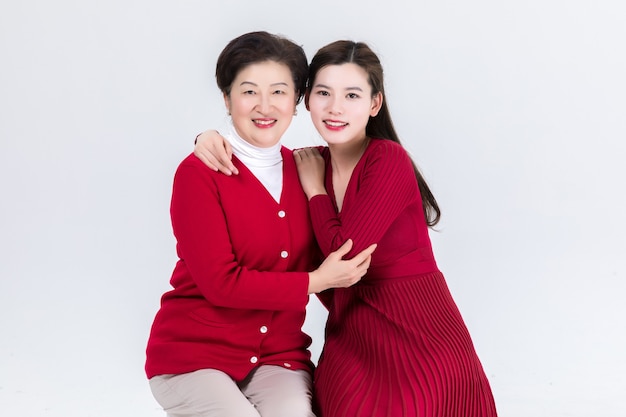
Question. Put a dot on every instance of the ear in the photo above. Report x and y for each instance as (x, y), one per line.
(377, 103)
(227, 102)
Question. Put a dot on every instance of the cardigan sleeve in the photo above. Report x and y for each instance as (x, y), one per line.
(203, 244)
(386, 185)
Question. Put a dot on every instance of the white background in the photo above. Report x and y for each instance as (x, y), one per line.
(515, 111)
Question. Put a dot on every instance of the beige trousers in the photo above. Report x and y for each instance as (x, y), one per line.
(269, 391)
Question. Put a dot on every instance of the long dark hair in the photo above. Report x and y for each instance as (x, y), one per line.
(381, 125)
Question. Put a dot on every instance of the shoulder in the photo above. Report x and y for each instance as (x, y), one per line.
(386, 151)
(192, 162)
(192, 169)
(386, 145)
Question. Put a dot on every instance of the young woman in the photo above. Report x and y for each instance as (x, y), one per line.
(396, 344)
(227, 339)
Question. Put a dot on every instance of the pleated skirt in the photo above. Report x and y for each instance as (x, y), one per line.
(400, 348)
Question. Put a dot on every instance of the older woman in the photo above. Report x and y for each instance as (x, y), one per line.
(227, 340)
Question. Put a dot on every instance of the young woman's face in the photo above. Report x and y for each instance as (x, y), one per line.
(262, 102)
(341, 103)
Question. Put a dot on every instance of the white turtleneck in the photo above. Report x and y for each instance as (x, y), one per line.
(265, 163)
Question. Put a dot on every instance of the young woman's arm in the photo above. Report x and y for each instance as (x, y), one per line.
(212, 149)
(386, 185)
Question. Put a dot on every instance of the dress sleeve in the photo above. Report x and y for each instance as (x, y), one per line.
(203, 244)
(326, 297)
(386, 185)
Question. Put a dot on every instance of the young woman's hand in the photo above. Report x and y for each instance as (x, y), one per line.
(311, 170)
(215, 152)
(337, 273)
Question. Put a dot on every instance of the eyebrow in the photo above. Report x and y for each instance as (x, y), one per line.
(256, 85)
(328, 88)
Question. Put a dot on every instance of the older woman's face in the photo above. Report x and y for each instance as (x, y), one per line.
(262, 102)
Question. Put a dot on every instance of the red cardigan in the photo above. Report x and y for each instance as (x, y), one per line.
(237, 301)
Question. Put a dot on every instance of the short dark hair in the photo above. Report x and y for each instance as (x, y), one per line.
(261, 46)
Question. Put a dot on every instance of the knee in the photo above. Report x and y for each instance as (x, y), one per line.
(294, 406)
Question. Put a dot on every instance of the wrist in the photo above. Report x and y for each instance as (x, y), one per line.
(313, 285)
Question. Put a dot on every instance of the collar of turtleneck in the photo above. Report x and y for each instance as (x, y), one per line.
(265, 163)
(250, 155)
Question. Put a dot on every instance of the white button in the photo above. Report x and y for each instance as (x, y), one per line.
(284, 254)
(254, 359)
(281, 214)
(287, 365)
(263, 329)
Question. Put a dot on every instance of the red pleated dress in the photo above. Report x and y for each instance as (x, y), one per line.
(396, 344)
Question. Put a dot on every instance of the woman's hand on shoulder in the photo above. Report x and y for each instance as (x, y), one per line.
(311, 170)
(216, 153)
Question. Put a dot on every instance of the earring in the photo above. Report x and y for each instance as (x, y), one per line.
(295, 112)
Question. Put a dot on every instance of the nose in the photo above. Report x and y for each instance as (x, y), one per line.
(335, 105)
(264, 105)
